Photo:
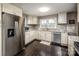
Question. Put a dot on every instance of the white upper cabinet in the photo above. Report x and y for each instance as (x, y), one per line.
(11, 9)
(29, 20)
(35, 20)
(32, 20)
(62, 18)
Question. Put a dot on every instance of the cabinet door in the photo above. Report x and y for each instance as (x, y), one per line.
(32, 35)
(29, 19)
(8, 8)
(42, 35)
(48, 36)
(35, 20)
(18, 11)
(39, 35)
(64, 38)
(36, 35)
(62, 18)
(32, 20)
(27, 37)
(52, 37)
(11, 9)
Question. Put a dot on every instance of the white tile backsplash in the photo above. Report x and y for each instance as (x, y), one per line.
(71, 28)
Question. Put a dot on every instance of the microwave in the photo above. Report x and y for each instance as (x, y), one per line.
(72, 21)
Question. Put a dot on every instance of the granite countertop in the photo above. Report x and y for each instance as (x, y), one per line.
(46, 31)
(76, 46)
(72, 34)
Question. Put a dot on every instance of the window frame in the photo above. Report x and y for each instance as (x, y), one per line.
(47, 23)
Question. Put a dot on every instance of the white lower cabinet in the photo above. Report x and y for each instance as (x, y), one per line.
(27, 37)
(42, 35)
(32, 35)
(64, 38)
(45, 35)
(71, 40)
(48, 36)
(39, 35)
(36, 35)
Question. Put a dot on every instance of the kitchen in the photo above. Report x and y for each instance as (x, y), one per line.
(57, 28)
(49, 30)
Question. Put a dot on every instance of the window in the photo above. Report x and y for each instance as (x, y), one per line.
(48, 23)
(43, 23)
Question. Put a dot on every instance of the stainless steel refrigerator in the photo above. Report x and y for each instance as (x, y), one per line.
(11, 37)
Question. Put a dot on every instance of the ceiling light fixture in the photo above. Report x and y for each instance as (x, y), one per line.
(44, 9)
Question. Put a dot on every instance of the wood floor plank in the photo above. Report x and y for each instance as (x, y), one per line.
(38, 49)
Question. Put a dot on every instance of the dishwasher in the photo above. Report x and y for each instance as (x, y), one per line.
(57, 37)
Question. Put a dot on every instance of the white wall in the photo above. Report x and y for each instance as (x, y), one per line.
(0, 34)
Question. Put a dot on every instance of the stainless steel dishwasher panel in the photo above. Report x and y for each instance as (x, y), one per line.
(57, 37)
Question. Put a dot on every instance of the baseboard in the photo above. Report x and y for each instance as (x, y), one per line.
(64, 44)
(31, 42)
(76, 54)
(59, 44)
(52, 43)
(19, 52)
(45, 41)
(26, 46)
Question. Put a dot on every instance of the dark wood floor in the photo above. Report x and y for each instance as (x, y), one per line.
(38, 49)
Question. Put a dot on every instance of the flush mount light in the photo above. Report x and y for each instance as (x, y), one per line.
(44, 9)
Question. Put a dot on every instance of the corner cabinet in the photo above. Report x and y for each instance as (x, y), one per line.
(32, 20)
(42, 35)
(62, 18)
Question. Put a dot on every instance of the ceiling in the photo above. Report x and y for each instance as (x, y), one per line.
(32, 8)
